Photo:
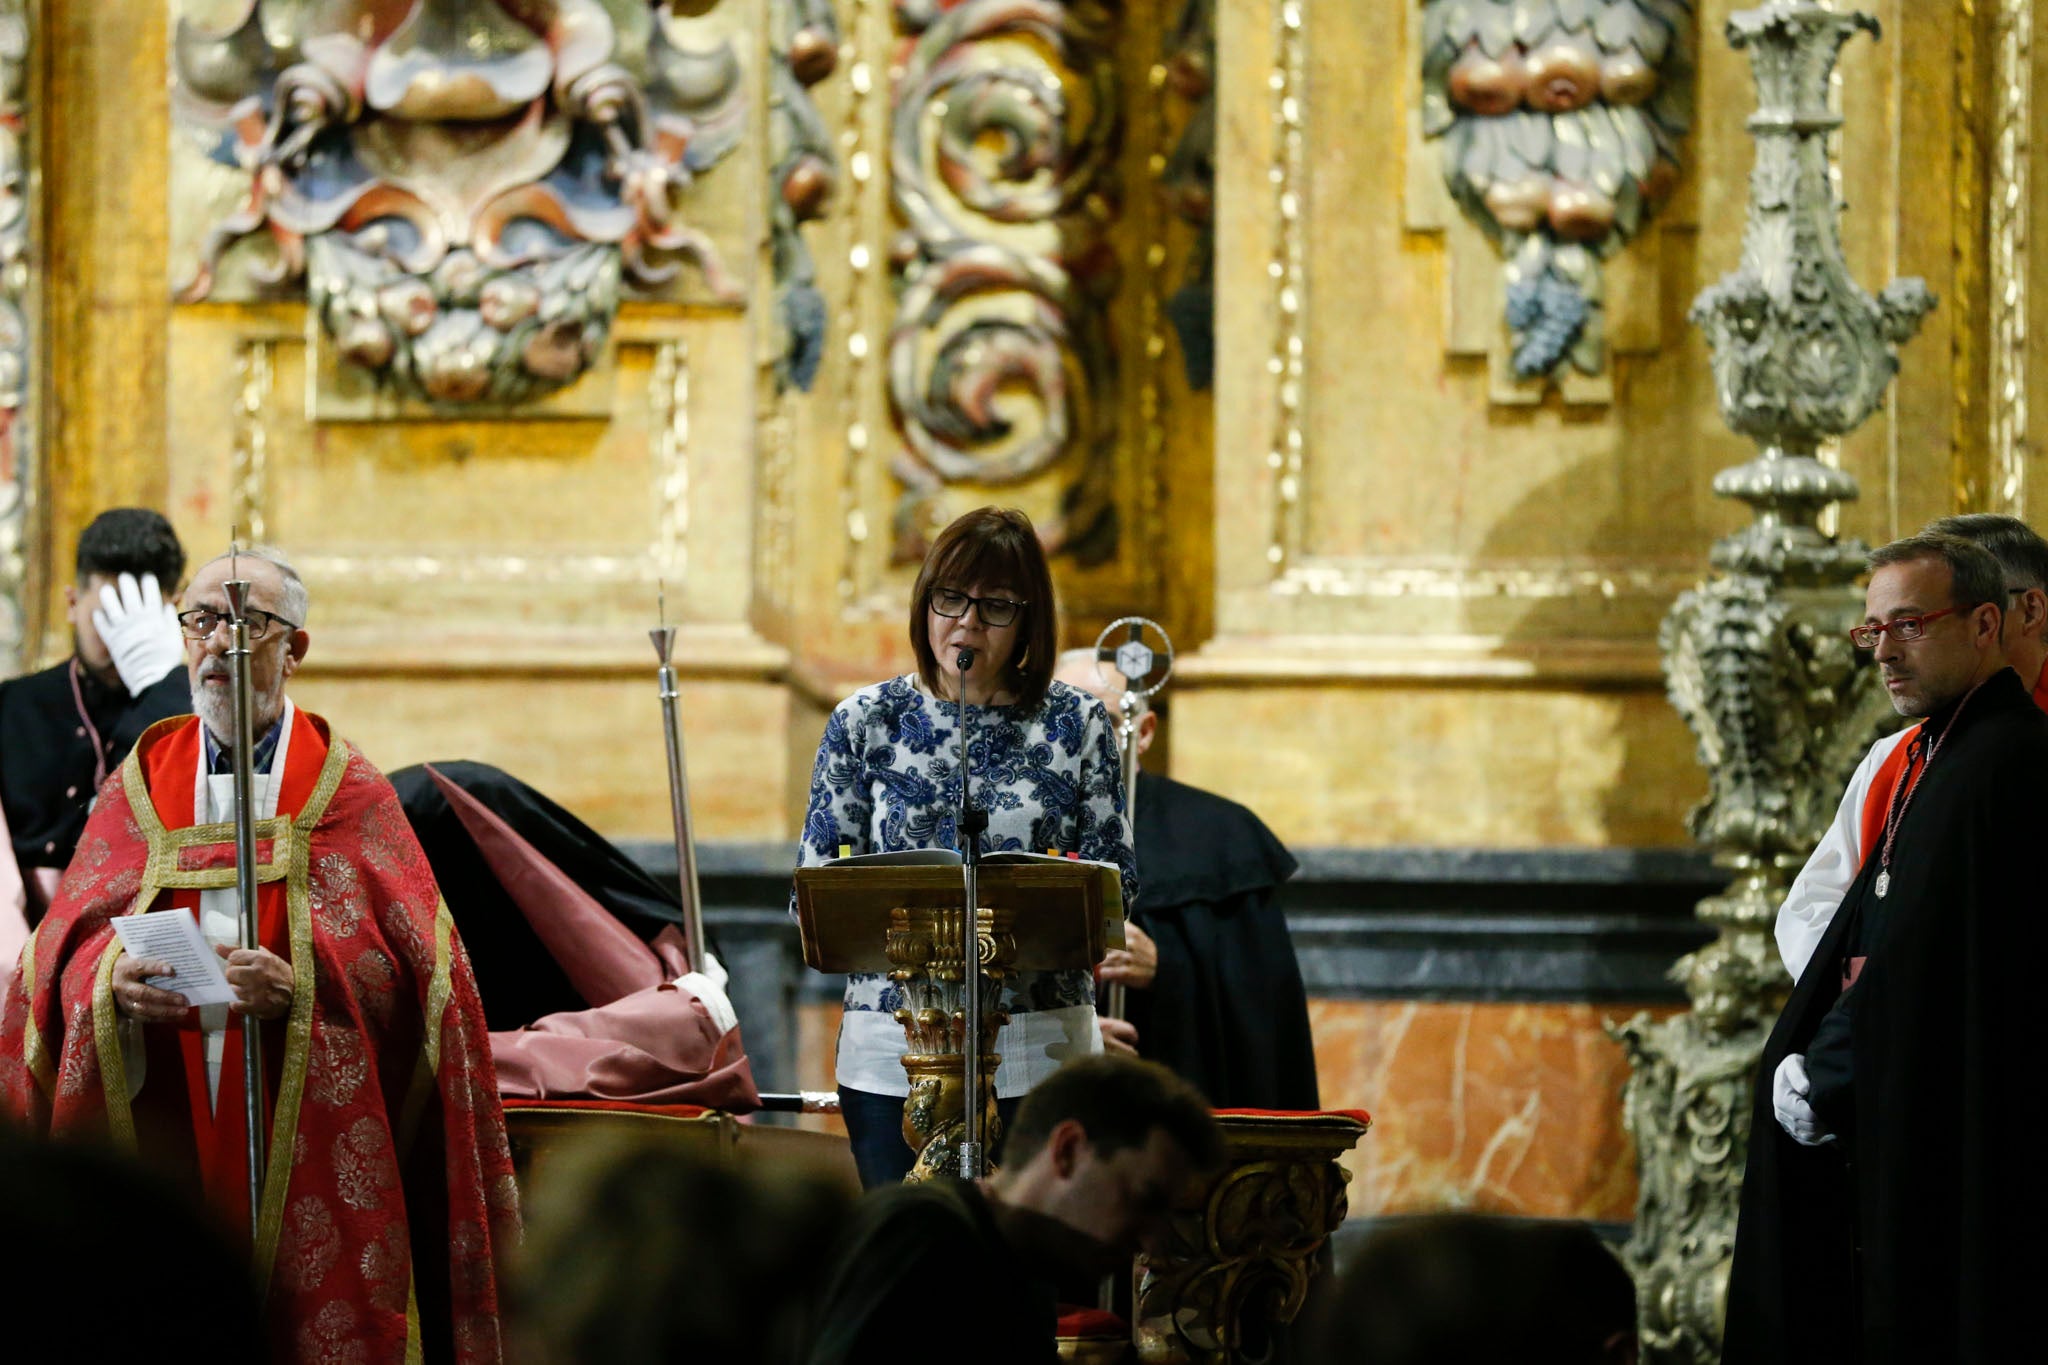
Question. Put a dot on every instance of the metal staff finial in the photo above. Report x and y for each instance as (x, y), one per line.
(664, 639)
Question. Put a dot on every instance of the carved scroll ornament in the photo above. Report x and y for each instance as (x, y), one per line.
(462, 184)
(1560, 122)
(1005, 121)
(1229, 1276)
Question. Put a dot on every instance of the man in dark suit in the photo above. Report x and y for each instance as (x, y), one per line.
(63, 730)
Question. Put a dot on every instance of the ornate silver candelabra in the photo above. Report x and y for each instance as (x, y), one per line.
(1758, 661)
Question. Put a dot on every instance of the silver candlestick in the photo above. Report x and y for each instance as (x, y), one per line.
(1758, 661)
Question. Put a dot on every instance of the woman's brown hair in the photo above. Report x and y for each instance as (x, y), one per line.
(996, 548)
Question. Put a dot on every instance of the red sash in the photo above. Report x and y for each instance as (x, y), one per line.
(218, 1131)
(1886, 780)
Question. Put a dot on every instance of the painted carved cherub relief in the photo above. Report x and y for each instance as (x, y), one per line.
(462, 186)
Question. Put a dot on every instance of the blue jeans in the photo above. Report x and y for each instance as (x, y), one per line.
(874, 1128)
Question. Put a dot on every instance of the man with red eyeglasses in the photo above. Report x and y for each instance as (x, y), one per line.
(1821, 884)
(1890, 1209)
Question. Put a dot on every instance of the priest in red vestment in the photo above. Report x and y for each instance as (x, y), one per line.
(388, 1196)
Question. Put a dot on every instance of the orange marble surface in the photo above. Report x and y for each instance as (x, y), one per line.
(1505, 1108)
(1501, 1108)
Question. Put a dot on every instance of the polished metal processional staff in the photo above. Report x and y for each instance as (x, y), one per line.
(244, 761)
(696, 947)
(1143, 658)
(664, 638)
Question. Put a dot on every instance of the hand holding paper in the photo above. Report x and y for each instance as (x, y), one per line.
(168, 967)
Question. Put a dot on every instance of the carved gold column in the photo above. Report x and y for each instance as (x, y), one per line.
(1758, 661)
(17, 428)
(1003, 129)
(927, 959)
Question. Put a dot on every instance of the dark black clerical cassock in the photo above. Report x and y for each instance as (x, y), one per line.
(1227, 1010)
(1917, 1234)
(62, 731)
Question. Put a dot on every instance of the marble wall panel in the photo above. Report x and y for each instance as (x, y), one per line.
(1501, 1108)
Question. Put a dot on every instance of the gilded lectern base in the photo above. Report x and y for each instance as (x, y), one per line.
(926, 954)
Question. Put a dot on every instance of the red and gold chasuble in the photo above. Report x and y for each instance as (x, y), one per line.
(389, 1195)
(1877, 801)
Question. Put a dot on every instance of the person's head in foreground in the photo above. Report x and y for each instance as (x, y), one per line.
(277, 608)
(1462, 1289)
(2023, 557)
(640, 1252)
(1933, 615)
(1103, 1152)
(985, 586)
(130, 542)
(62, 1204)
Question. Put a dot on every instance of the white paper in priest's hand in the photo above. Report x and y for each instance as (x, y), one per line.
(172, 936)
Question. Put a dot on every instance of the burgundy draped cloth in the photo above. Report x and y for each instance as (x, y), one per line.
(645, 1038)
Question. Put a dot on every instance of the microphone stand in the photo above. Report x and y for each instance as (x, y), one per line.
(972, 821)
(245, 871)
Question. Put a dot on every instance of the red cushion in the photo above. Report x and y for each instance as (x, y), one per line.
(674, 1111)
(1076, 1321)
(1355, 1115)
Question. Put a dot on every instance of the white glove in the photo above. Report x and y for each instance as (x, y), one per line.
(140, 630)
(1789, 1089)
(709, 986)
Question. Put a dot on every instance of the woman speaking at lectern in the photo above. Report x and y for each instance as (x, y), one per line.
(1042, 762)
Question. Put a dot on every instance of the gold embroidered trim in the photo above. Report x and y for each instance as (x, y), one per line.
(298, 1046)
(277, 830)
(439, 986)
(34, 1055)
(414, 1354)
(106, 1034)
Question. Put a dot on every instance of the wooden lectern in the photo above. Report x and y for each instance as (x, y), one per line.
(1041, 914)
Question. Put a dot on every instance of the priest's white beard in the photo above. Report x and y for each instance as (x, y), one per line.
(215, 706)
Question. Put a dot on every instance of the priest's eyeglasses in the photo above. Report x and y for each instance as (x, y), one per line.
(201, 622)
(994, 611)
(1900, 628)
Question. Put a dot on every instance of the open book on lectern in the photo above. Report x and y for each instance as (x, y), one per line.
(1069, 910)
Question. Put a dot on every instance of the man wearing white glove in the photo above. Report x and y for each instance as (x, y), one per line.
(1790, 1090)
(63, 730)
(1890, 1205)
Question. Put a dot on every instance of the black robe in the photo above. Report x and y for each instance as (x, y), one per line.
(1227, 1011)
(516, 976)
(1916, 1234)
(48, 759)
(931, 1263)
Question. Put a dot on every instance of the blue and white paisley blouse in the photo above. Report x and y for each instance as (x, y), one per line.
(886, 780)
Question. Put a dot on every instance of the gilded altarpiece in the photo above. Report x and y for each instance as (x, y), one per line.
(483, 394)
(1460, 581)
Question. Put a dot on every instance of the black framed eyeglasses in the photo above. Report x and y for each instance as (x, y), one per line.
(994, 611)
(201, 622)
